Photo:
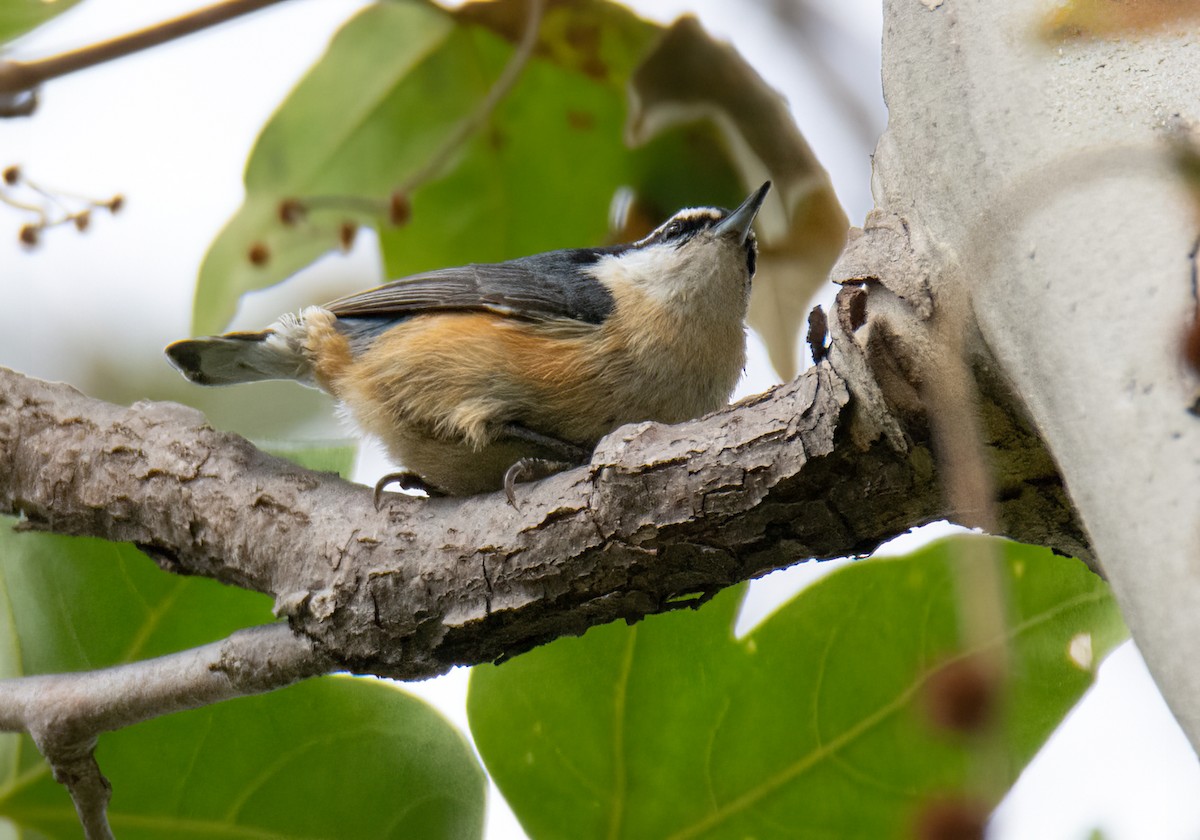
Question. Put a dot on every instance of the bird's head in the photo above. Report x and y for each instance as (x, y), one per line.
(697, 249)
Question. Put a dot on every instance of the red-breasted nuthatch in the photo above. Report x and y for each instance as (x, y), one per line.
(479, 376)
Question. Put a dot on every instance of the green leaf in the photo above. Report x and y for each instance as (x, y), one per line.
(326, 758)
(74, 604)
(20, 16)
(331, 758)
(816, 724)
(544, 171)
(340, 132)
(384, 106)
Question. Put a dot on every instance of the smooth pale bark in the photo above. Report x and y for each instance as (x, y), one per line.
(1037, 182)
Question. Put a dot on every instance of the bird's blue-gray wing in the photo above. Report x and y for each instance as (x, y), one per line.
(546, 286)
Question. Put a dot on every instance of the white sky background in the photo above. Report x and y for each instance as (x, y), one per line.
(171, 129)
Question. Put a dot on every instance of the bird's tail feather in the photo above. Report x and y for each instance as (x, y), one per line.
(240, 357)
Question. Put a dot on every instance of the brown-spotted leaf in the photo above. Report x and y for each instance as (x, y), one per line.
(599, 40)
(690, 76)
(1115, 18)
(550, 167)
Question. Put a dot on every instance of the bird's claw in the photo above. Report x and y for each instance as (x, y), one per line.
(529, 469)
(407, 481)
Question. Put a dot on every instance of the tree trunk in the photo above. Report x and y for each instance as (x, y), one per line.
(1035, 185)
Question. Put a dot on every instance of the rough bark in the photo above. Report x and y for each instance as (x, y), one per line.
(1005, 352)
(661, 513)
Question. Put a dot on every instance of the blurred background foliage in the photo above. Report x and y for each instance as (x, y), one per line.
(427, 136)
(808, 725)
(443, 137)
(394, 110)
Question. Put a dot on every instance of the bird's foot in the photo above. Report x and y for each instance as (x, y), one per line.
(568, 453)
(530, 469)
(406, 481)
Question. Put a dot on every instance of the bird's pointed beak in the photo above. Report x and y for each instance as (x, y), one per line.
(739, 221)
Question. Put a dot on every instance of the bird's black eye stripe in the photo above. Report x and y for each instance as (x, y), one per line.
(680, 230)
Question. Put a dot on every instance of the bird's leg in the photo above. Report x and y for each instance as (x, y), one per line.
(407, 481)
(532, 469)
(568, 452)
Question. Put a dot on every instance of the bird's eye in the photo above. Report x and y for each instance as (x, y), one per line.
(673, 229)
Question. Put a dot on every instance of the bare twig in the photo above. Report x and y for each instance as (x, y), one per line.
(90, 792)
(248, 662)
(65, 713)
(20, 104)
(19, 78)
(43, 217)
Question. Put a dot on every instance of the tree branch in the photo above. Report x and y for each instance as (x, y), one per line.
(18, 79)
(829, 465)
(65, 713)
(90, 791)
(661, 512)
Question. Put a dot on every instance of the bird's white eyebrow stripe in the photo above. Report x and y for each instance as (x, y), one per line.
(688, 214)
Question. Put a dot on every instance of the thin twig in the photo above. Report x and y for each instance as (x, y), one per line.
(248, 662)
(65, 713)
(20, 76)
(5, 198)
(20, 104)
(90, 792)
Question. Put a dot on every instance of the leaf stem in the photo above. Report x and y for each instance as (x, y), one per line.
(503, 84)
